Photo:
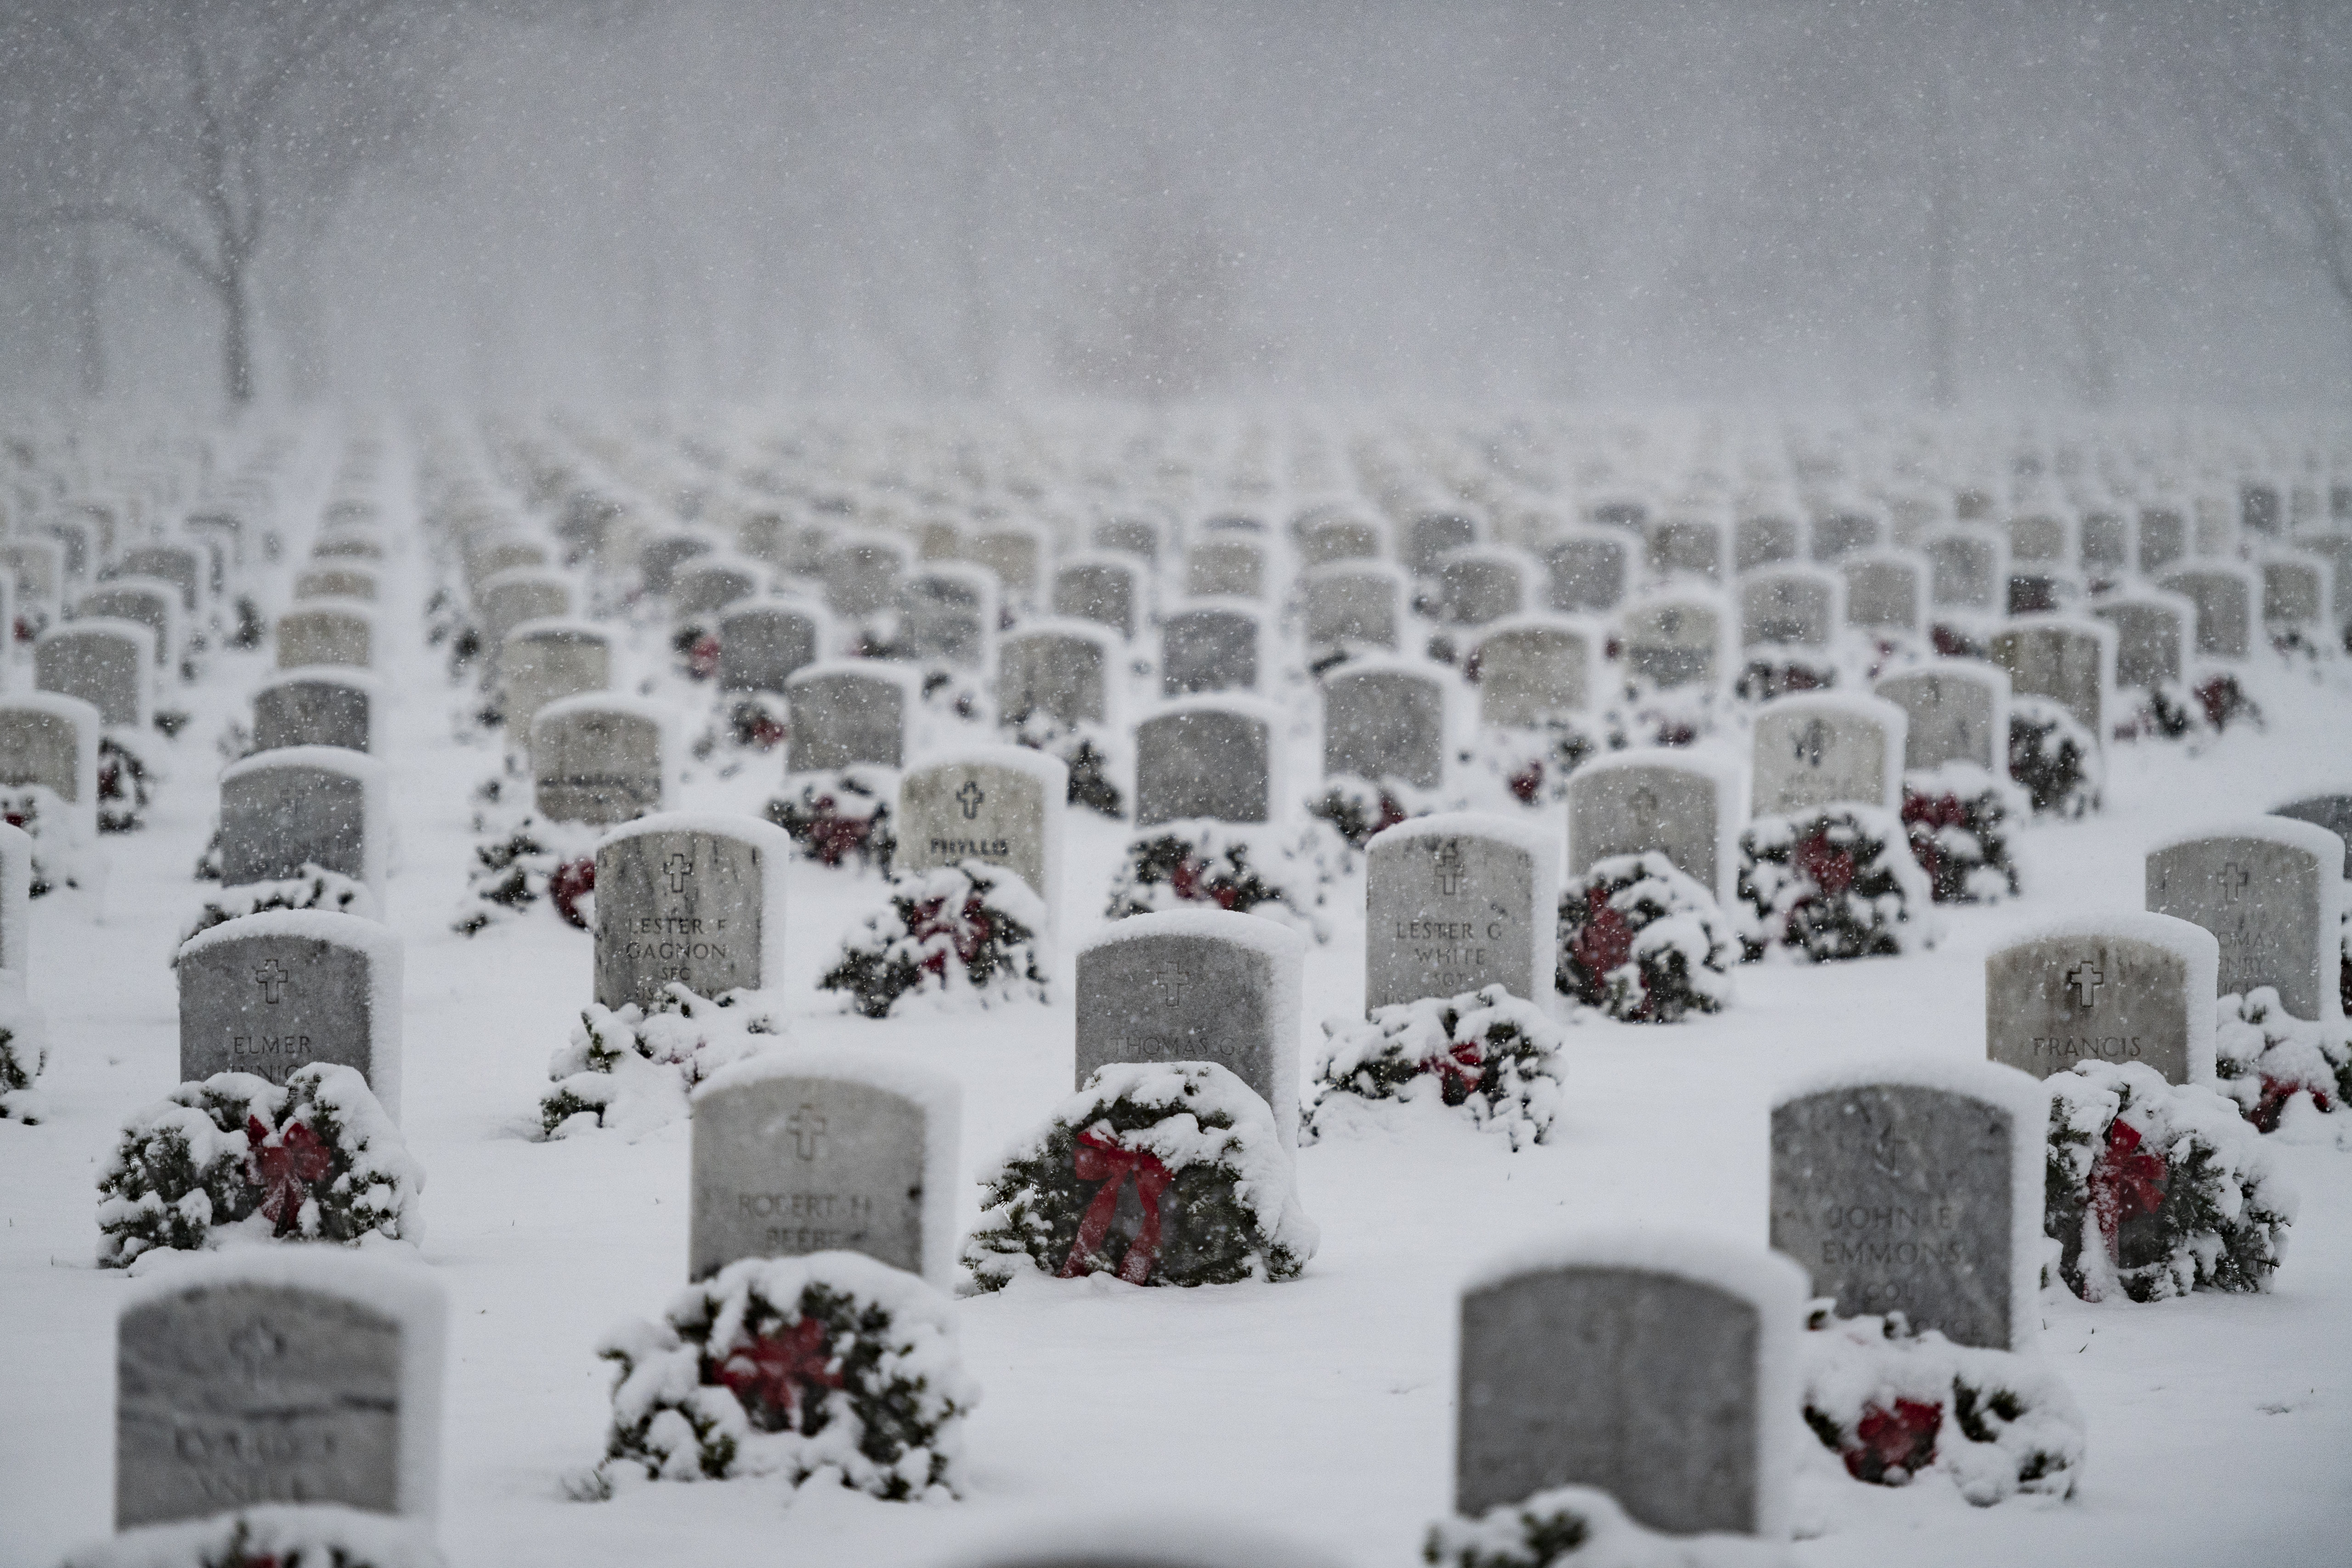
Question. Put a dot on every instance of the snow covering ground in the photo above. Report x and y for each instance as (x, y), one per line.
(1321, 1409)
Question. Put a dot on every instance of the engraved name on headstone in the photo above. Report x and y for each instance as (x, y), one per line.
(2121, 987)
(277, 990)
(692, 897)
(1456, 902)
(1001, 805)
(2270, 889)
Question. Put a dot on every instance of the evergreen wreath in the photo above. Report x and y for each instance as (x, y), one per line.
(315, 889)
(1356, 808)
(958, 930)
(2053, 757)
(1762, 679)
(1087, 750)
(630, 1068)
(125, 784)
(270, 1535)
(840, 816)
(1488, 1051)
(1580, 1526)
(1228, 865)
(2153, 1189)
(757, 721)
(317, 1159)
(2263, 1056)
(1834, 883)
(1956, 817)
(33, 807)
(1644, 942)
(798, 1366)
(1895, 1406)
(23, 1054)
(518, 863)
(1214, 1198)
(1533, 763)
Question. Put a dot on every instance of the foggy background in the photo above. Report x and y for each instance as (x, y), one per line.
(1971, 203)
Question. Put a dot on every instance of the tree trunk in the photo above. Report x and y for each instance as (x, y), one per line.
(236, 340)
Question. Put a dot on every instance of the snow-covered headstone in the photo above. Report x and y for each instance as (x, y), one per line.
(1001, 805)
(1967, 569)
(337, 583)
(1886, 592)
(1226, 567)
(1587, 570)
(150, 602)
(1790, 606)
(1674, 640)
(545, 662)
(1836, 535)
(761, 645)
(1354, 604)
(2163, 538)
(1828, 748)
(277, 990)
(691, 897)
(2332, 811)
(1686, 806)
(1458, 901)
(1097, 588)
(1659, 1369)
(1139, 536)
(50, 741)
(304, 806)
(1017, 553)
(600, 758)
(278, 1375)
(1059, 669)
(520, 594)
(1384, 717)
(2226, 597)
(2151, 636)
(1532, 668)
(37, 566)
(1474, 587)
(2295, 595)
(2123, 986)
(1210, 647)
(327, 631)
(706, 587)
(1330, 539)
(946, 614)
(659, 558)
(2271, 889)
(847, 713)
(804, 1150)
(1432, 535)
(104, 663)
(1765, 539)
(1206, 985)
(2068, 660)
(1207, 756)
(1957, 711)
(1687, 546)
(861, 571)
(1917, 1188)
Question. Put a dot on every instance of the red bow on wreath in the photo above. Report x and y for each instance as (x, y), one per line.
(1902, 1438)
(1192, 881)
(2123, 1181)
(1824, 865)
(1605, 941)
(283, 1164)
(1936, 810)
(967, 932)
(1458, 1071)
(1096, 1160)
(772, 1370)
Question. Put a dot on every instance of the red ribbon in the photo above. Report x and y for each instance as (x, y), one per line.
(1605, 941)
(702, 658)
(283, 1165)
(966, 933)
(835, 835)
(772, 1369)
(1099, 1161)
(1824, 865)
(1458, 1071)
(2123, 1181)
(1936, 810)
(567, 885)
(1192, 881)
(1903, 1437)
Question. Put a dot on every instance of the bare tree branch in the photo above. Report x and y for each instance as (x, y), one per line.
(175, 244)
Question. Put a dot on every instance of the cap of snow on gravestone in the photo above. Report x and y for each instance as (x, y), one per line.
(323, 705)
(1828, 748)
(1099, 588)
(150, 602)
(1916, 1187)
(1457, 902)
(1209, 648)
(1675, 641)
(520, 594)
(1354, 603)
(1196, 985)
(761, 645)
(1955, 710)
(50, 741)
(1001, 805)
(1208, 757)
(2152, 634)
(600, 758)
(548, 661)
(1586, 570)
(803, 1150)
(2331, 811)
(2068, 660)
(327, 631)
(2271, 890)
(848, 712)
(1383, 718)
(1056, 667)
(1534, 668)
(104, 663)
(1661, 1369)
(2226, 597)
(1682, 804)
(273, 992)
(304, 806)
(2123, 986)
(282, 1375)
(695, 897)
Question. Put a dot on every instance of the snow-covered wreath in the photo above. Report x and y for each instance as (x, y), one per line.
(1490, 1052)
(799, 1366)
(2153, 1189)
(1644, 942)
(630, 1068)
(1834, 883)
(1958, 819)
(316, 889)
(517, 864)
(958, 932)
(2263, 1056)
(1895, 1406)
(1091, 752)
(1582, 1527)
(1358, 808)
(1229, 866)
(235, 1156)
(840, 816)
(126, 783)
(42, 812)
(1532, 764)
(2053, 757)
(23, 1053)
(1163, 1174)
(270, 1535)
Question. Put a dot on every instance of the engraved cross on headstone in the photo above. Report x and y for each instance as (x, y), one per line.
(255, 1344)
(970, 796)
(1812, 742)
(271, 977)
(678, 867)
(2235, 878)
(1643, 802)
(1166, 977)
(2083, 979)
(807, 1129)
(1449, 869)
